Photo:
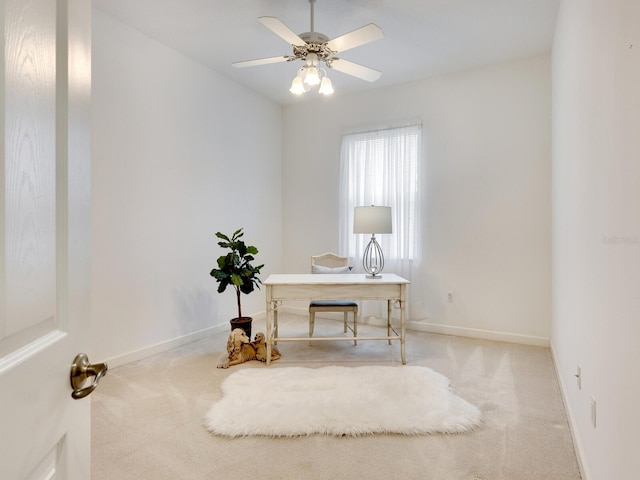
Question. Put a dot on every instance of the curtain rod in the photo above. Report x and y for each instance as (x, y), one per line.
(391, 126)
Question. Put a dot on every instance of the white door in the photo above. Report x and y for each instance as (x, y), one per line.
(45, 89)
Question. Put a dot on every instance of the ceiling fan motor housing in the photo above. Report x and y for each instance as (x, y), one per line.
(316, 42)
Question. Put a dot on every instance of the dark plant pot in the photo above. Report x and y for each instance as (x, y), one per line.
(244, 323)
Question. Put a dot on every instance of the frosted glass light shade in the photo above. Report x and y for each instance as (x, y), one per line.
(326, 87)
(297, 87)
(312, 76)
(372, 220)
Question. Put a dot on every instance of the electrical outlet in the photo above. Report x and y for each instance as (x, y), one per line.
(449, 296)
(593, 411)
(578, 376)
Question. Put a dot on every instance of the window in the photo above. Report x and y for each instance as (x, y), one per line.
(381, 167)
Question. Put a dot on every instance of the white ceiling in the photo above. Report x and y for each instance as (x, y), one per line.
(422, 37)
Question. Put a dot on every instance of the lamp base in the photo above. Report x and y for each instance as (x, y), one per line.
(373, 259)
(374, 277)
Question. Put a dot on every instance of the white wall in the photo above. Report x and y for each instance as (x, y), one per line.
(179, 152)
(487, 211)
(596, 228)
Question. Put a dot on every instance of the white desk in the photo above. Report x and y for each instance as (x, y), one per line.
(348, 286)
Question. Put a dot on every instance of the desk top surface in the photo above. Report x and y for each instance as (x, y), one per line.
(333, 279)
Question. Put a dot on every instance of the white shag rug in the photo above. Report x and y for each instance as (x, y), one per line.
(351, 401)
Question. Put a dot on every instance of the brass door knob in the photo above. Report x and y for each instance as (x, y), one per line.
(81, 369)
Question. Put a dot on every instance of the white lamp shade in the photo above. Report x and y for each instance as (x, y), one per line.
(372, 220)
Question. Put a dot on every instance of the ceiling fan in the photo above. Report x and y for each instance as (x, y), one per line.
(314, 47)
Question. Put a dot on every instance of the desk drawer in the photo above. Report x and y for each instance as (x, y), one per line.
(336, 292)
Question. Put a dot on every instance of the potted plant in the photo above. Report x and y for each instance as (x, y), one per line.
(235, 269)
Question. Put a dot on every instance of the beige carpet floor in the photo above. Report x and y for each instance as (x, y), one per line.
(147, 416)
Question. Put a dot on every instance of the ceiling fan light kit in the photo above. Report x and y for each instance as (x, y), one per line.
(311, 76)
(315, 47)
(308, 77)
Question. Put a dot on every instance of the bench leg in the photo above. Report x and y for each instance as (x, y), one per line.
(355, 326)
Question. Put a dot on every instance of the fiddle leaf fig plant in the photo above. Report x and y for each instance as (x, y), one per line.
(236, 268)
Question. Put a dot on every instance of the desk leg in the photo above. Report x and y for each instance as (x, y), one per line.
(402, 328)
(389, 320)
(270, 312)
(275, 323)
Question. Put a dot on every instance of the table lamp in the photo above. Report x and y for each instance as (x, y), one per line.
(372, 220)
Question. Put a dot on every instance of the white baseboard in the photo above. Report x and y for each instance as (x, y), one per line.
(577, 443)
(479, 333)
(164, 346)
(174, 343)
(442, 329)
(410, 325)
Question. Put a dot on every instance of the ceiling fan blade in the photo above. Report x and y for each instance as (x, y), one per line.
(355, 70)
(357, 37)
(261, 61)
(280, 29)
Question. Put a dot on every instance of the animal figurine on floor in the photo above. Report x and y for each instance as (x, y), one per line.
(261, 348)
(239, 349)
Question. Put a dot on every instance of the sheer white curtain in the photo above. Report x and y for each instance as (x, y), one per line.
(382, 167)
